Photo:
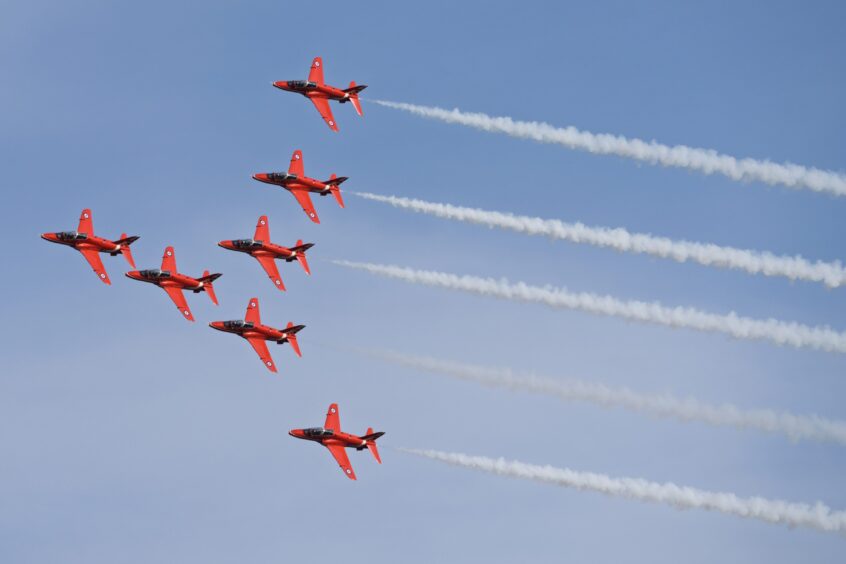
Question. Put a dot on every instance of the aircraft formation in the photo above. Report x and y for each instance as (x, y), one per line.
(175, 284)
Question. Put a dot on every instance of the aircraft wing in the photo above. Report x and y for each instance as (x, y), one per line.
(262, 230)
(93, 258)
(304, 199)
(179, 299)
(296, 166)
(260, 346)
(86, 224)
(333, 419)
(322, 105)
(269, 266)
(315, 73)
(253, 315)
(169, 260)
(340, 455)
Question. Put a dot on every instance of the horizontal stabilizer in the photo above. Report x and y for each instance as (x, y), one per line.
(207, 280)
(291, 336)
(352, 92)
(301, 247)
(124, 243)
(124, 240)
(206, 277)
(300, 251)
(355, 88)
(371, 436)
(336, 180)
(370, 441)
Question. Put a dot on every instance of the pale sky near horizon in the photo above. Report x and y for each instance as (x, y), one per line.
(130, 435)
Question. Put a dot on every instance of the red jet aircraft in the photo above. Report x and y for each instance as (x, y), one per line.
(256, 333)
(299, 185)
(266, 252)
(320, 93)
(84, 241)
(331, 436)
(168, 279)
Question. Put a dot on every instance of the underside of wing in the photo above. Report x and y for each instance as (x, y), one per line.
(315, 73)
(296, 166)
(169, 260)
(93, 258)
(340, 455)
(322, 105)
(253, 315)
(304, 199)
(269, 266)
(262, 230)
(179, 299)
(86, 223)
(260, 346)
(333, 418)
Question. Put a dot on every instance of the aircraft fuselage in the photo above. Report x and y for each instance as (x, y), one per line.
(166, 278)
(328, 437)
(259, 249)
(293, 182)
(82, 241)
(247, 330)
(312, 89)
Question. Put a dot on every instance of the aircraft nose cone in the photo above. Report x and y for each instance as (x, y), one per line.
(279, 84)
(261, 177)
(133, 274)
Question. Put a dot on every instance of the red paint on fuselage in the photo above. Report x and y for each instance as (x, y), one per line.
(175, 280)
(89, 245)
(293, 182)
(255, 330)
(345, 440)
(312, 89)
(91, 242)
(264, 250)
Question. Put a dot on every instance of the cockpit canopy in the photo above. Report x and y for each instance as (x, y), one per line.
(281, 176)
(238, 324)
(301, 84)
(246, 243)
(71, 236)
(317, 432)
(155, 273)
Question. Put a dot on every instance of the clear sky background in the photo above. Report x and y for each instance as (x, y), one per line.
(131, 436)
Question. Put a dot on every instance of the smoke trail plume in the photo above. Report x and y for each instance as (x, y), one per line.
(817, 516)
(754, 262)
(795, 427)
(780, 332)
(706, 161)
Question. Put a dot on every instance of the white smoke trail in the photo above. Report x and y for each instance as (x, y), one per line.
(780, 332)
(795, 427)
(754, 262)
(817, 516)
(706, 161)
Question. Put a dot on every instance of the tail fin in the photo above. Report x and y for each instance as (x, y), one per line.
(370, 438)
(124, 243)
(301, 249)
(292, 338)
(333, 182)
(353, 91)
(207, 280)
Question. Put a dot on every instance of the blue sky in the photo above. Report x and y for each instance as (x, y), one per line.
(129, 435)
